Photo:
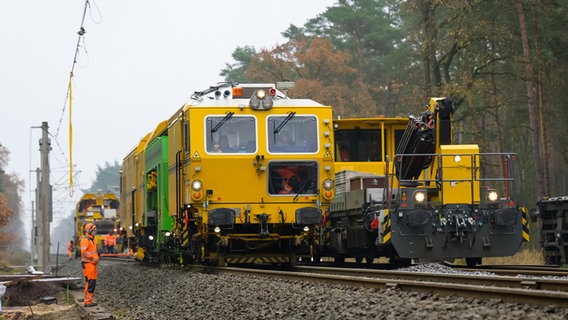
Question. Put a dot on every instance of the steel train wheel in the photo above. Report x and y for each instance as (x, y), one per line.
(472, 262)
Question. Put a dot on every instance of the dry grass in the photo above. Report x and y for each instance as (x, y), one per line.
(523, 256)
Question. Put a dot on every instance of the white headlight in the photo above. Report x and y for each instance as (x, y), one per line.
(306, 228)
(419, 196)
(492, 195)
(151, 237)
(167, 234)
(457, 158)
(260, 93)
(217, 229)
(196, 185)
(327, 184)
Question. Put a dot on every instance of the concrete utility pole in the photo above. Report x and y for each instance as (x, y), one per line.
(44, 210)
(38, 222)
(33, 236)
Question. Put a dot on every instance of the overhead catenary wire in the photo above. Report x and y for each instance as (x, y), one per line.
(69, 94)
(81, 34)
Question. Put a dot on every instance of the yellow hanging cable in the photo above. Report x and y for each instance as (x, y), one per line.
(81, 33)
(70, 135)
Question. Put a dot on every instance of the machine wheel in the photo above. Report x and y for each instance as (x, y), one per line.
(369, 260)
(358, 260)
(472, 262)
(552, 260)
(399, 262)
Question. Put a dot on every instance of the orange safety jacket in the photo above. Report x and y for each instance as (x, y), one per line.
(89, 257)
(110, 240)
(290, 179)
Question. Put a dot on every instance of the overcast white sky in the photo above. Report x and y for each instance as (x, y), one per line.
(140, 61)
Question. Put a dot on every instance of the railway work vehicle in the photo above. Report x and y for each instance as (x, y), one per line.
(404, 191)
(240, 174)
(552, 221)
(101, 209)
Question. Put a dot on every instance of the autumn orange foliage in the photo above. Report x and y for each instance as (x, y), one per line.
(6, 238)
(322, 73)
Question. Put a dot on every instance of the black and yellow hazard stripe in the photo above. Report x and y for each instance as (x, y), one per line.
(525, 221)
(185, 237)
(253, 260)
(181, 229)
(386, 227)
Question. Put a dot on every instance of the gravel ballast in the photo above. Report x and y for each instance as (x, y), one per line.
(135, 291)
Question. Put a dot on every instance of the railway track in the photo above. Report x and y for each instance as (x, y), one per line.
(537, 291)
(516, 270)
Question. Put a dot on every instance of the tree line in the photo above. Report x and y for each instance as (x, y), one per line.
(11, 224)
(502, 62)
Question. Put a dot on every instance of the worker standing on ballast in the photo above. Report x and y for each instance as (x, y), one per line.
(89, 261)
(110, 243)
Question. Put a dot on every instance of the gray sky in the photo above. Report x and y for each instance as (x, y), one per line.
(140, 61)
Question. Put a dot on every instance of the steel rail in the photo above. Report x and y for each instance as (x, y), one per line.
(527, 295)
(522, 282)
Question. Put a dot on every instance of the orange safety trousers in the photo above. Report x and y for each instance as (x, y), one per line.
(90, 272)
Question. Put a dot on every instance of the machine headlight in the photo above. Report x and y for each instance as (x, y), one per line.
(167, 234)
(217, 229)
(260, 101)
(457, 158)
(492, 195)
(151, 237)
(327, 184)
(419, 196)
(196, 185)
(306, 228)
(260, 93)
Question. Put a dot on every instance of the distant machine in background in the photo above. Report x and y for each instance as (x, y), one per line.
(552, 225)
(102, 210)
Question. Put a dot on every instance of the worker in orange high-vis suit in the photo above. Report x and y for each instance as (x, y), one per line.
(89, 260)
(290, 180)
(70, 249)
(110, 242)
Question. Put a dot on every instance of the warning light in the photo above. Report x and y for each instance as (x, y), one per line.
(237, 92)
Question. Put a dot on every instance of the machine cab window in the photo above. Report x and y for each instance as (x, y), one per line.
(292, 133)
(292, 177)
(358, 145)
(230, 134)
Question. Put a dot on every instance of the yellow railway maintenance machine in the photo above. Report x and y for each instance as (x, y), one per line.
(240, 174)
(102, 210)
(404, 191)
